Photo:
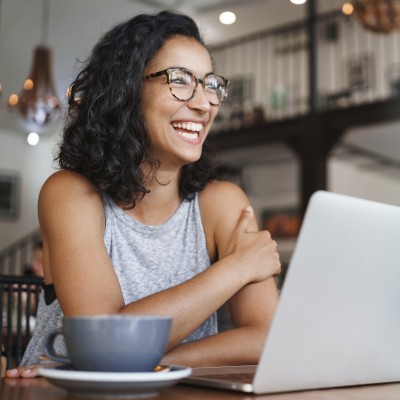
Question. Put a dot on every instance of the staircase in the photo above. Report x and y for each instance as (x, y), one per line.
(15, 257)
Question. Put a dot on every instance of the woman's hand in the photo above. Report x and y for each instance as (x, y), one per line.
(30, 371)
(255, 251)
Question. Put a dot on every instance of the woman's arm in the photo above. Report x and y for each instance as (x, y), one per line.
(72, 220)
(252, 307)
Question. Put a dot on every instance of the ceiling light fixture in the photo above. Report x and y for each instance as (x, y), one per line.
(297, 2)
(347, 8)
(37, 103)
(377, 15)
(33, 139)
(227, 18)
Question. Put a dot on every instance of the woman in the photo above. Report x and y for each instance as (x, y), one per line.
(135, 222)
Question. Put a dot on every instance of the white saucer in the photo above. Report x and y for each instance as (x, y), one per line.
(113, 384)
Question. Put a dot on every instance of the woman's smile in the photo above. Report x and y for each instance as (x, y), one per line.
(189, 131)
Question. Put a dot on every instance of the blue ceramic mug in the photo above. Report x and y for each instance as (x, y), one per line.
(112, 343)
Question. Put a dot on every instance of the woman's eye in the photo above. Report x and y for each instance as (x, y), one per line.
(180, 79)
(212, 83)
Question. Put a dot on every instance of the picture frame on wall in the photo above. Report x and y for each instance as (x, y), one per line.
(9, 195)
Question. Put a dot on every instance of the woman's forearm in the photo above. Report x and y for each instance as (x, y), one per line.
(192, 302)
(238, 346)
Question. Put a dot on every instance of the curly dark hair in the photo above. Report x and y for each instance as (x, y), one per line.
(105, 138)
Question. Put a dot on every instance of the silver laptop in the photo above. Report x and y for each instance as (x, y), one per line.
(338, 317)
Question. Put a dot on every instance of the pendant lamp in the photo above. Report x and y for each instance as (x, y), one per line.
(381, 16)
(37, 103)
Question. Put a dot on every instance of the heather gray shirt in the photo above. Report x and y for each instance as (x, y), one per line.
(146, 259)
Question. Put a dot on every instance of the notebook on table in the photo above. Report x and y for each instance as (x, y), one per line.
(338, 318)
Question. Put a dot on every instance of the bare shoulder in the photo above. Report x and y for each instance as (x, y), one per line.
(222, 197)
(67, 194)
(66, 181)
(66, 186)
(221, 204)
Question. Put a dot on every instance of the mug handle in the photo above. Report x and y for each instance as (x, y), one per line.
(49, 347)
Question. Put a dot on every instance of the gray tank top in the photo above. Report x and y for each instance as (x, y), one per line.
(146, 259)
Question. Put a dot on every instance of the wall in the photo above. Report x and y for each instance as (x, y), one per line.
(34, 165)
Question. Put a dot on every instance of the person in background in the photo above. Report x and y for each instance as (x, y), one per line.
(35, 269)
(135, 221)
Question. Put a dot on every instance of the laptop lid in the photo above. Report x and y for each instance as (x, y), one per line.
(338, 320)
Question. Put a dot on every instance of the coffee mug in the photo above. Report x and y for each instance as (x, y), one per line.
(111, 343)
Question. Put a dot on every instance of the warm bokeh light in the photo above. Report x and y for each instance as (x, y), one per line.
(68, 92)
(227, 18)
(28, 84)
(13, 100)
(347, 8)
(33, 139)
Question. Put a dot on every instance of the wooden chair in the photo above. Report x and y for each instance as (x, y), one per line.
(3, 362)
(19, 297)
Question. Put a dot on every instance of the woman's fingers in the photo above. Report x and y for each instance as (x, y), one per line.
(30, 371)
(23, 372)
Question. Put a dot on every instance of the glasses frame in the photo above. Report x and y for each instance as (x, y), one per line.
(165, 72)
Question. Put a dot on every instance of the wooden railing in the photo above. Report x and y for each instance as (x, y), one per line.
(15, 257)
(19, 297)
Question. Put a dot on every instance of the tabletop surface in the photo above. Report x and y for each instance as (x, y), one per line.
(41, 389)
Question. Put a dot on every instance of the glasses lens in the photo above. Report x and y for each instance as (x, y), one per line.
(182, 83)
(215, 88)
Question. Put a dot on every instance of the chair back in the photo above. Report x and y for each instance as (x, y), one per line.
(19, 297)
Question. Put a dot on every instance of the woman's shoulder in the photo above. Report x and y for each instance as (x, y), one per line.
(67, 181)
(221, 200)
(67, 187)
(221, 204)
(223, 193)
(66, 176)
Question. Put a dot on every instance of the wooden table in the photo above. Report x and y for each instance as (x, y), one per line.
(40, 389)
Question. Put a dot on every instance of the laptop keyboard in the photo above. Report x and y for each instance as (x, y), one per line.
(240, 377)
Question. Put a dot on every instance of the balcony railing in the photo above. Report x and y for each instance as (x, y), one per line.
(270, 71)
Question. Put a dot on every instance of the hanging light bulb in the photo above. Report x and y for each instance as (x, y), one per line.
(37, 103)
(33, 138)
(377, 15)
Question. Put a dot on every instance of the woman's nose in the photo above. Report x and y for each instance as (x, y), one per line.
(200, 100)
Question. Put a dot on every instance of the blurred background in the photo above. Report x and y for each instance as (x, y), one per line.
(314, 101)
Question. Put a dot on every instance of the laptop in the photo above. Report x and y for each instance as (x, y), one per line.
(338, 318)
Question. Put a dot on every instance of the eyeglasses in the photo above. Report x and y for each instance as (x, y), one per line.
(183, 84)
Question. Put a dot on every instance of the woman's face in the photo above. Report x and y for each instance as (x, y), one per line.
(177, 129)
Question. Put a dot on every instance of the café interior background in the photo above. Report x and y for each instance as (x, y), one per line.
(268, 173)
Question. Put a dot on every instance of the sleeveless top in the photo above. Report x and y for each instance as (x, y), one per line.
(146, 259)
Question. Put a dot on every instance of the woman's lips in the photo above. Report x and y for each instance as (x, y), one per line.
(189, 131)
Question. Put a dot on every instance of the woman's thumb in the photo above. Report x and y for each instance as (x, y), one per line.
(245, 217)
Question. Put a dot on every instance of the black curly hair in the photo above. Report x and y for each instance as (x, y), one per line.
(104, 136)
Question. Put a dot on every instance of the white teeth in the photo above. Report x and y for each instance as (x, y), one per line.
(191, 136)
(189, 126)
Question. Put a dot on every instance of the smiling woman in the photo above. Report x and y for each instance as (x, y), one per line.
(135, 221)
